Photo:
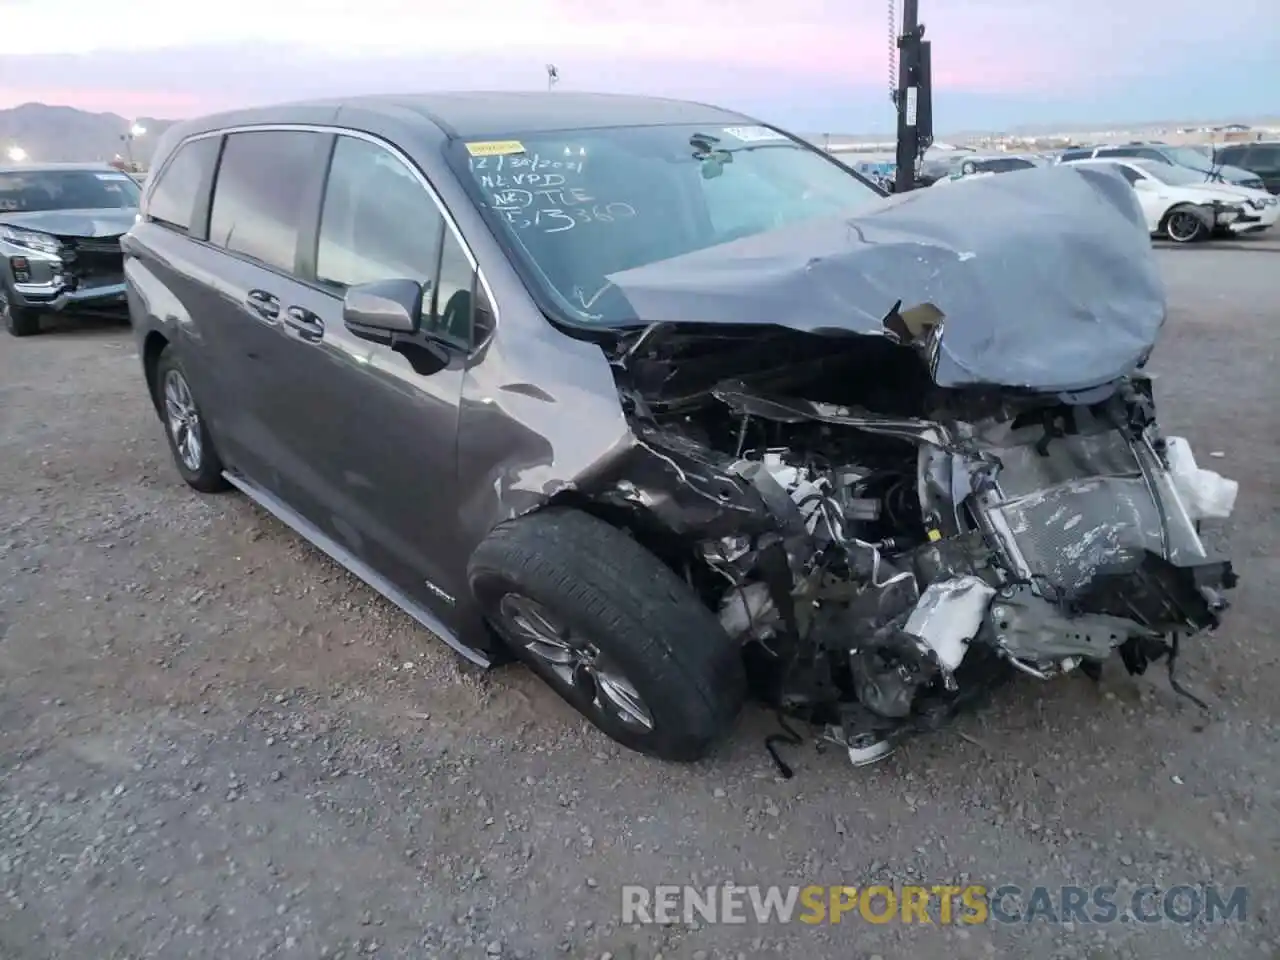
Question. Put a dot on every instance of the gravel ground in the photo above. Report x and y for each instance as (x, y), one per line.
(215, 743)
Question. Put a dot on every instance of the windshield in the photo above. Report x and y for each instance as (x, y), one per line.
(577, 206)
(1188, 157)
(37, 190)
(1172, 175)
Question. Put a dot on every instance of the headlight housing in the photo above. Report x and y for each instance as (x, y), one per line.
(30, 239)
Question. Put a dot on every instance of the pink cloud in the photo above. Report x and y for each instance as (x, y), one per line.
(121, 100)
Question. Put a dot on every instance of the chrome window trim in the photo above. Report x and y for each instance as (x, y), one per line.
(339, 130)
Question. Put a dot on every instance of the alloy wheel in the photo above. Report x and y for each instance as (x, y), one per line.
(1183, 227)
(183, 420)
(574, 661)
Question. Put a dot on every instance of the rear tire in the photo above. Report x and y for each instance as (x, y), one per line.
(189, 441)
(19, 321)
(623, 629)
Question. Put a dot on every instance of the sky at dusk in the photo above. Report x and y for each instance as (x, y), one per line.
(813, 65)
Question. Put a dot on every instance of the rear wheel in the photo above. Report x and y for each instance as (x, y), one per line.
(18, 320)
(612, 630)
(188, 436)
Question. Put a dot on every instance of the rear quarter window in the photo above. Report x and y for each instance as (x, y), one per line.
(176, 191)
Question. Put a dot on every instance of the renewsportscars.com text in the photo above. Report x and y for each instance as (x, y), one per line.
(944, 904)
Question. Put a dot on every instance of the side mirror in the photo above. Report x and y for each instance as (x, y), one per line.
(380, 310)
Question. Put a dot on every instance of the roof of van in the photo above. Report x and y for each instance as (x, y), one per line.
(476, 114)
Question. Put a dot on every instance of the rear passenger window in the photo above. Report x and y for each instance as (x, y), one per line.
(173, 198)
(260, 192)
(378, 221)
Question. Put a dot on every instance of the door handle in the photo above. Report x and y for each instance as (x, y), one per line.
(264, 304)
(304, 323)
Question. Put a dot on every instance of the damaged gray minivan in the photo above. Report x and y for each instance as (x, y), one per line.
(678, 410)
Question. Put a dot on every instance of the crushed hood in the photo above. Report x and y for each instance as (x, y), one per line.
(1045, 278)
(74, 223)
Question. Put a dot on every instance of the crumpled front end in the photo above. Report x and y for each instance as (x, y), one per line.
(912, 453)
(883, 571)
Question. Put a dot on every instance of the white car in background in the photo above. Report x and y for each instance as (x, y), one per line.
(1180, 205)
(968, 166)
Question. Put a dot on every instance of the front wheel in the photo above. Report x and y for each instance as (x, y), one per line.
(19, 321)
(1183, 226)
(612, 630)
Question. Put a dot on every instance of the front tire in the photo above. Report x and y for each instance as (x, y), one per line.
(189, 441)
(1183, 226)
(19, 321)
(612, 630)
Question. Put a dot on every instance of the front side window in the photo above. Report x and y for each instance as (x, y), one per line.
(38, 190)
(578, 206)
(259, 195)
(378, 222)
(173, 197)
(451, 317)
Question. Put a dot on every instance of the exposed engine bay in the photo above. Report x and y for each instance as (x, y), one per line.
(887, 550)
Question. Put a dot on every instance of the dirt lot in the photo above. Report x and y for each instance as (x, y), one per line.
(214, 743)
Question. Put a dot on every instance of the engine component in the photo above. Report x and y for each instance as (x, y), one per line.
(949, 615)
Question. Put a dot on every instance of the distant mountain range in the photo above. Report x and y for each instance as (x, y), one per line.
(53, 134)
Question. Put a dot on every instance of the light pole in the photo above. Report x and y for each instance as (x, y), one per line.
(913, 97)
(135, 131)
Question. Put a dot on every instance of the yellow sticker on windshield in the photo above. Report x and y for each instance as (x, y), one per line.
(494, 148)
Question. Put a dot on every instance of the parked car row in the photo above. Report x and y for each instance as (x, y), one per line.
(1185, 195)
(1211, 170)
